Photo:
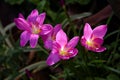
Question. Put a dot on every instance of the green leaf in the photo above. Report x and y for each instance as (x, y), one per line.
(33, 66)
(97, 61)
(74, 17)
(112, 33)
(79, 16)
(40, 65)
(41, 5)
(111, 69)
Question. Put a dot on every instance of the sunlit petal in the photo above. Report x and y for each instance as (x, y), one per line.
(87, 31)
(100, 31)
(73, 42)
(61, 38)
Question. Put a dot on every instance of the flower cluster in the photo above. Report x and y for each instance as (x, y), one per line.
(32, 28)
(55, 39)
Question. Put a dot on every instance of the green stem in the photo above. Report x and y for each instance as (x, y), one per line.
(114, 49)
(10, 26)
(70, 21)
(3, 34)
(65, 10)
(108, 21)
(86, 65)
(80, 29)
(68, 18)
(45, 51)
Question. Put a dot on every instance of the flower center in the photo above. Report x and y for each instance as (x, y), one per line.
(92, 44)
(53, 37)
(35, 29)
(63, 52)
(89, 43)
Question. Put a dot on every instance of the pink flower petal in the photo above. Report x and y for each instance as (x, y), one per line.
(33, 15)
(24, 37)
(21, 16)
(48, 44)
(87, 31)
(73, 42)
(33, 40)
(52, 59)
(48, 39)
(100, 31)
(22, 24)
(101, 49)
(44, 37)
(71, 53)
(56, 46)
(46, 28)
(57, 28)
(61, 38)
(40, 19)
(83, 41)
(64, 57)
(98, 41)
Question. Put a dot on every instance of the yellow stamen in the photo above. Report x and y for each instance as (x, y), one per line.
(89, 43)
(63, 52)
(92, 44)
(35, 30)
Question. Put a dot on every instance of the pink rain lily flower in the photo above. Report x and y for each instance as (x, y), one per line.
(62, 49)
(32, 27)
(51, 37)
(93, 39)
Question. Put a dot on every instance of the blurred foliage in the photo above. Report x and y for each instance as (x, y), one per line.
(87, 65)
(82, 2)
(12, 2)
